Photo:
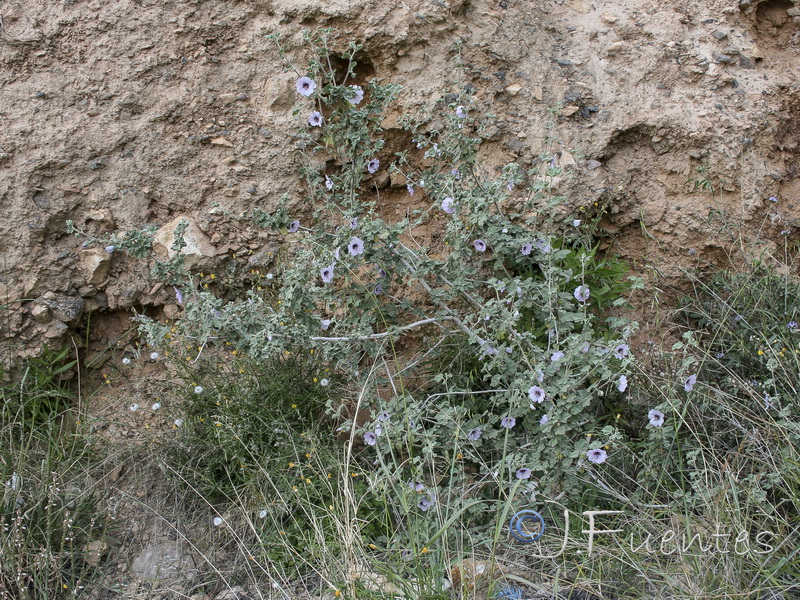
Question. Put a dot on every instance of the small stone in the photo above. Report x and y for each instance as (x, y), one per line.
(513, 89)
(564, 62)
(609, 18)
(227, 98)
(221, 141)
(615, 48)
(382, 179)
(56, 330)
(719, 35)
(514, 145)
(198, 249)
(568, 111)
(593, 164)
(66, 308)
(95, 264)
(41, 313)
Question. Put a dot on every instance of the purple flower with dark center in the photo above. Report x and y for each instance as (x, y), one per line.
(455, 173)
(479, 245)
(328, 182)
(544, 420)
(688, 385)
(355, 247)
(305, 86)
(324, 324)
(792, 324)
(524, 473)
(373, 165)
(526, 249)
(406, 554)
(621, 351)
(327, 274)
(449, 206)
(622, 383)
(508, 422)
(597, 456)
(460, 112)
(581, 293)
(378, 289)
(354, 223)
(294, 226)
(785, 232)
(536, 394)
(416, 486)
(383, 416)
(474, 434)
(656, 418)
(370, 438)
(556, 356)
(358, 95)
(425, 503)
(315, 119)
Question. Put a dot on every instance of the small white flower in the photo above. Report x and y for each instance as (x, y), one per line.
(154, 356)
(324, 382)
(217, 521)
(576, 223)
(126, 361)
(262, 514)
(133, 407)
(177, 422)
(198, 389)
(156, 405)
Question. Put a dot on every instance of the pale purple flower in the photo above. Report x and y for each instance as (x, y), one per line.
(581, 293)
(178, 295)
(373, 165)
(378, 429)
(410, 189)
(315, 119)
(621, 351)
(490, 350)
(576, 223)
(767, 401)
(355, 247)
(585, 347)
(305, 86)
(785, 232)
(474, 434)
(792, 324)
(336, 254)
(656, 418)
(479, 245)
(622, 383)
(544, 420)
(328, 182)
(536, 394)
(597, 456)
(425, 503)
(692, 251)
(378, 289)
(354, 223)
(510, 186)
(294, 226)
(460, 112)
(455, 173)
(325, 324)
(383, 416)
(508, 422)
(539, 376)
(524, 473)
(688, 385)
(557, 356)
(358, 95)
(110, 249)
(544, 246)
(369, 438)
(449, 205)
(416, 486)
(526, 249)
(773, 199)
(327, 274)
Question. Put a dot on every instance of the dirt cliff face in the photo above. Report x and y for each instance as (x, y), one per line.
(679, 117)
